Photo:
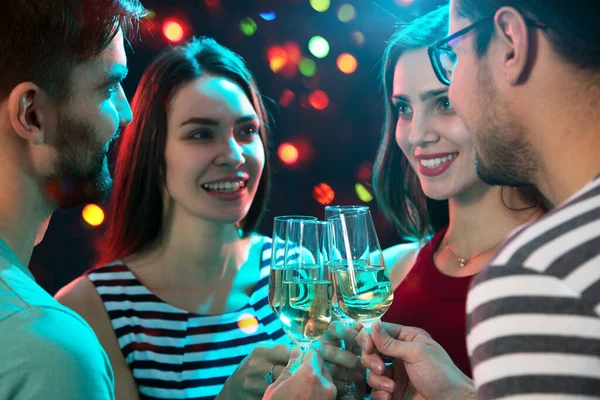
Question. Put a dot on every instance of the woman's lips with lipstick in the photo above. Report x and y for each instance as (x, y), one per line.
(227, 188)
(435, 164)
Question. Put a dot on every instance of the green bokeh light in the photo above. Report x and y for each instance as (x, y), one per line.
(320, 5)
(363, 193)
(346, 13)
(318, 46)
(248, 26)
(307, 67)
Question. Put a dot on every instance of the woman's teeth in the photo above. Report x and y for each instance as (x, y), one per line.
(224, 187)
(435, 162)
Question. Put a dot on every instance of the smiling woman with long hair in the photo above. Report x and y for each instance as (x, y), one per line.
(426, 183)
(179, 298)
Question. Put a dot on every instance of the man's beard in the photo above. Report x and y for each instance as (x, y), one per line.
(502, 155)
(81, 172)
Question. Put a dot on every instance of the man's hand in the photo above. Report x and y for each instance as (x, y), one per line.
(429, 369)
(340, 351)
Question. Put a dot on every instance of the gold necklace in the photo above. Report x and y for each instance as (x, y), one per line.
(464, 261)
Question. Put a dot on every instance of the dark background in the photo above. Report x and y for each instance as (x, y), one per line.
(334, 143)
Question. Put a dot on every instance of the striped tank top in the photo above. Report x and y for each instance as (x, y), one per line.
(176, 354)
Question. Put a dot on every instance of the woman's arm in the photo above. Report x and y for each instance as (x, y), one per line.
(81, 296)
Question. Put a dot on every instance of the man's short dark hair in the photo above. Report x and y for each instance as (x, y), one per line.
(41, 41)
(572, 25)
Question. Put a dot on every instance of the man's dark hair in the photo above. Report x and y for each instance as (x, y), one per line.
(41, 41)
(572, 25)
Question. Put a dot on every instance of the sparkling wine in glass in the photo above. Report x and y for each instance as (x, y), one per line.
(278, 249)
(352, 390)
(361, 280)
(332, 211)
(305, 311)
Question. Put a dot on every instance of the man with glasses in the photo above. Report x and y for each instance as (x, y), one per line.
(524, 77)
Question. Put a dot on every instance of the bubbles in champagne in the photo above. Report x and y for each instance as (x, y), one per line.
(276, 292)
(364, 292)
(306, 309)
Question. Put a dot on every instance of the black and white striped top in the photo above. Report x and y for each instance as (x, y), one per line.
(534, 313)
(175, 354)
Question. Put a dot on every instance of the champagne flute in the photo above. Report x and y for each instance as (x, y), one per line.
(332, 211)
(351, 391)
(280, 225)
(305, 310)
(361, 280)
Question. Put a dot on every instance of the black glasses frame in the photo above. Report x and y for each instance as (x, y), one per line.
(444, 44)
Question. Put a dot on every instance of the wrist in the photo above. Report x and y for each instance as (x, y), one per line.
(466, 390)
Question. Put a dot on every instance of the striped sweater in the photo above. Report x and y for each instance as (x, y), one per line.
(175, 354)
(534, 313)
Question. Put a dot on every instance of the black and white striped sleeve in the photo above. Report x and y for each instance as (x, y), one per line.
(531, 336)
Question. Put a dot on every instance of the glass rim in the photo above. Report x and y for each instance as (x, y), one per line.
(311, 221)
(349, 207)
(353, 213)
(295, 218)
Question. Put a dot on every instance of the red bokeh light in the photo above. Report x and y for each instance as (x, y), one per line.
(278, 58)
(212, 3)
(319, 100)
(173, 31)
(365, 172)
(288, 153)
(287, 98)
(293, 51)
(323, 193)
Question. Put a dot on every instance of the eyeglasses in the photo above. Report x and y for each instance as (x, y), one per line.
(443, 57)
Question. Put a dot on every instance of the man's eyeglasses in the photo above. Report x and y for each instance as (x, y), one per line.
(443, 58)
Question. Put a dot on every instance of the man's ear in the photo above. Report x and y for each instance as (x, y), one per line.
(28, 108)
(513, 33)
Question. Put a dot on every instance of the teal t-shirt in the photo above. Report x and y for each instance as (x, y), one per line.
(47, 351)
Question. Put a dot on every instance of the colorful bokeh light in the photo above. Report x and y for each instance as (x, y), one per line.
(293, 52)
(365, 171)
(346, 13)
(93, 215)
(347, 63)
(173, 31)
(318, 46)
(307, 67)
(247, 323)
(319, 100)
(248, 26)
(287, 98)
(363, 193)
(323, 193)
(320, 5)
(358, 38)
(268, 15)
(278, 58)
(288, 153)
(212, 3)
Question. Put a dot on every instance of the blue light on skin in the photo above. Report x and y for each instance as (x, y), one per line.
(268, 15)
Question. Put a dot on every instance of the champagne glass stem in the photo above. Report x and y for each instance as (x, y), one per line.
(350, 389)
